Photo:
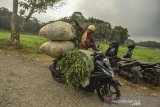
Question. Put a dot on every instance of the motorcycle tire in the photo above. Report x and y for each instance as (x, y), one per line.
(56, 76)
(155, 77)
(104, 92)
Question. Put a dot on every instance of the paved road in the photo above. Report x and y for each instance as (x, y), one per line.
(26, 83)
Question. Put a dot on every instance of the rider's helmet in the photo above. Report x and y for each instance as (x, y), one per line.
(92, 27)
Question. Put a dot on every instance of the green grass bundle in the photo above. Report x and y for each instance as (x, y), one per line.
(76, 68)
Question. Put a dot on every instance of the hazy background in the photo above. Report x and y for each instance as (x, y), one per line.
(140, 17)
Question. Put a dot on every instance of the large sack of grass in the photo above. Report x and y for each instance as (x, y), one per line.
(56, 49)
(77, 67)
(58, 31)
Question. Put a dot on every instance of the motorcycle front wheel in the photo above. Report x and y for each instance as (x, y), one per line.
(108, 91)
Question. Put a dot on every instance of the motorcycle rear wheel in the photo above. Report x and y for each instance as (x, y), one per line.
(56, 74)
(152, 73)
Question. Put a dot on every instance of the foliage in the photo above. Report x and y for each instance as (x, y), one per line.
(32, 6)
(151, 44)
(5, 18)
(74, 67)
(32, 26)
(119, 34)
(38, 5)
(103, 32)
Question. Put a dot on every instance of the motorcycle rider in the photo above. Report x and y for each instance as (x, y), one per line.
(87, 39)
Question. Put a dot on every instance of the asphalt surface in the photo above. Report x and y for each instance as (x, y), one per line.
(26, 83)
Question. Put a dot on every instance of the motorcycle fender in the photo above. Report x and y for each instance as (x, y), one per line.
(115, 82)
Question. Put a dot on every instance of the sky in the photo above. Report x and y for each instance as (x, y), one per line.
(140, 17)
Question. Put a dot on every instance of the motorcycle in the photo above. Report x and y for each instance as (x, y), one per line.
(101, 79)
(126, 67)
(150, 71)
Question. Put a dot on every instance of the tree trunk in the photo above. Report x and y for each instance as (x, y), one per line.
(15, 29)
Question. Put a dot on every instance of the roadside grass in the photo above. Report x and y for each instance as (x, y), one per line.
(30, 48)
(29, 43)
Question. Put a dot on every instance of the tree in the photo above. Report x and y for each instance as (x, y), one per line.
(151, 44)
(14, 25)
(5, 18)
(30, 6)
(103, 32)
(31, 26)
(78, 16)
(120, 34)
